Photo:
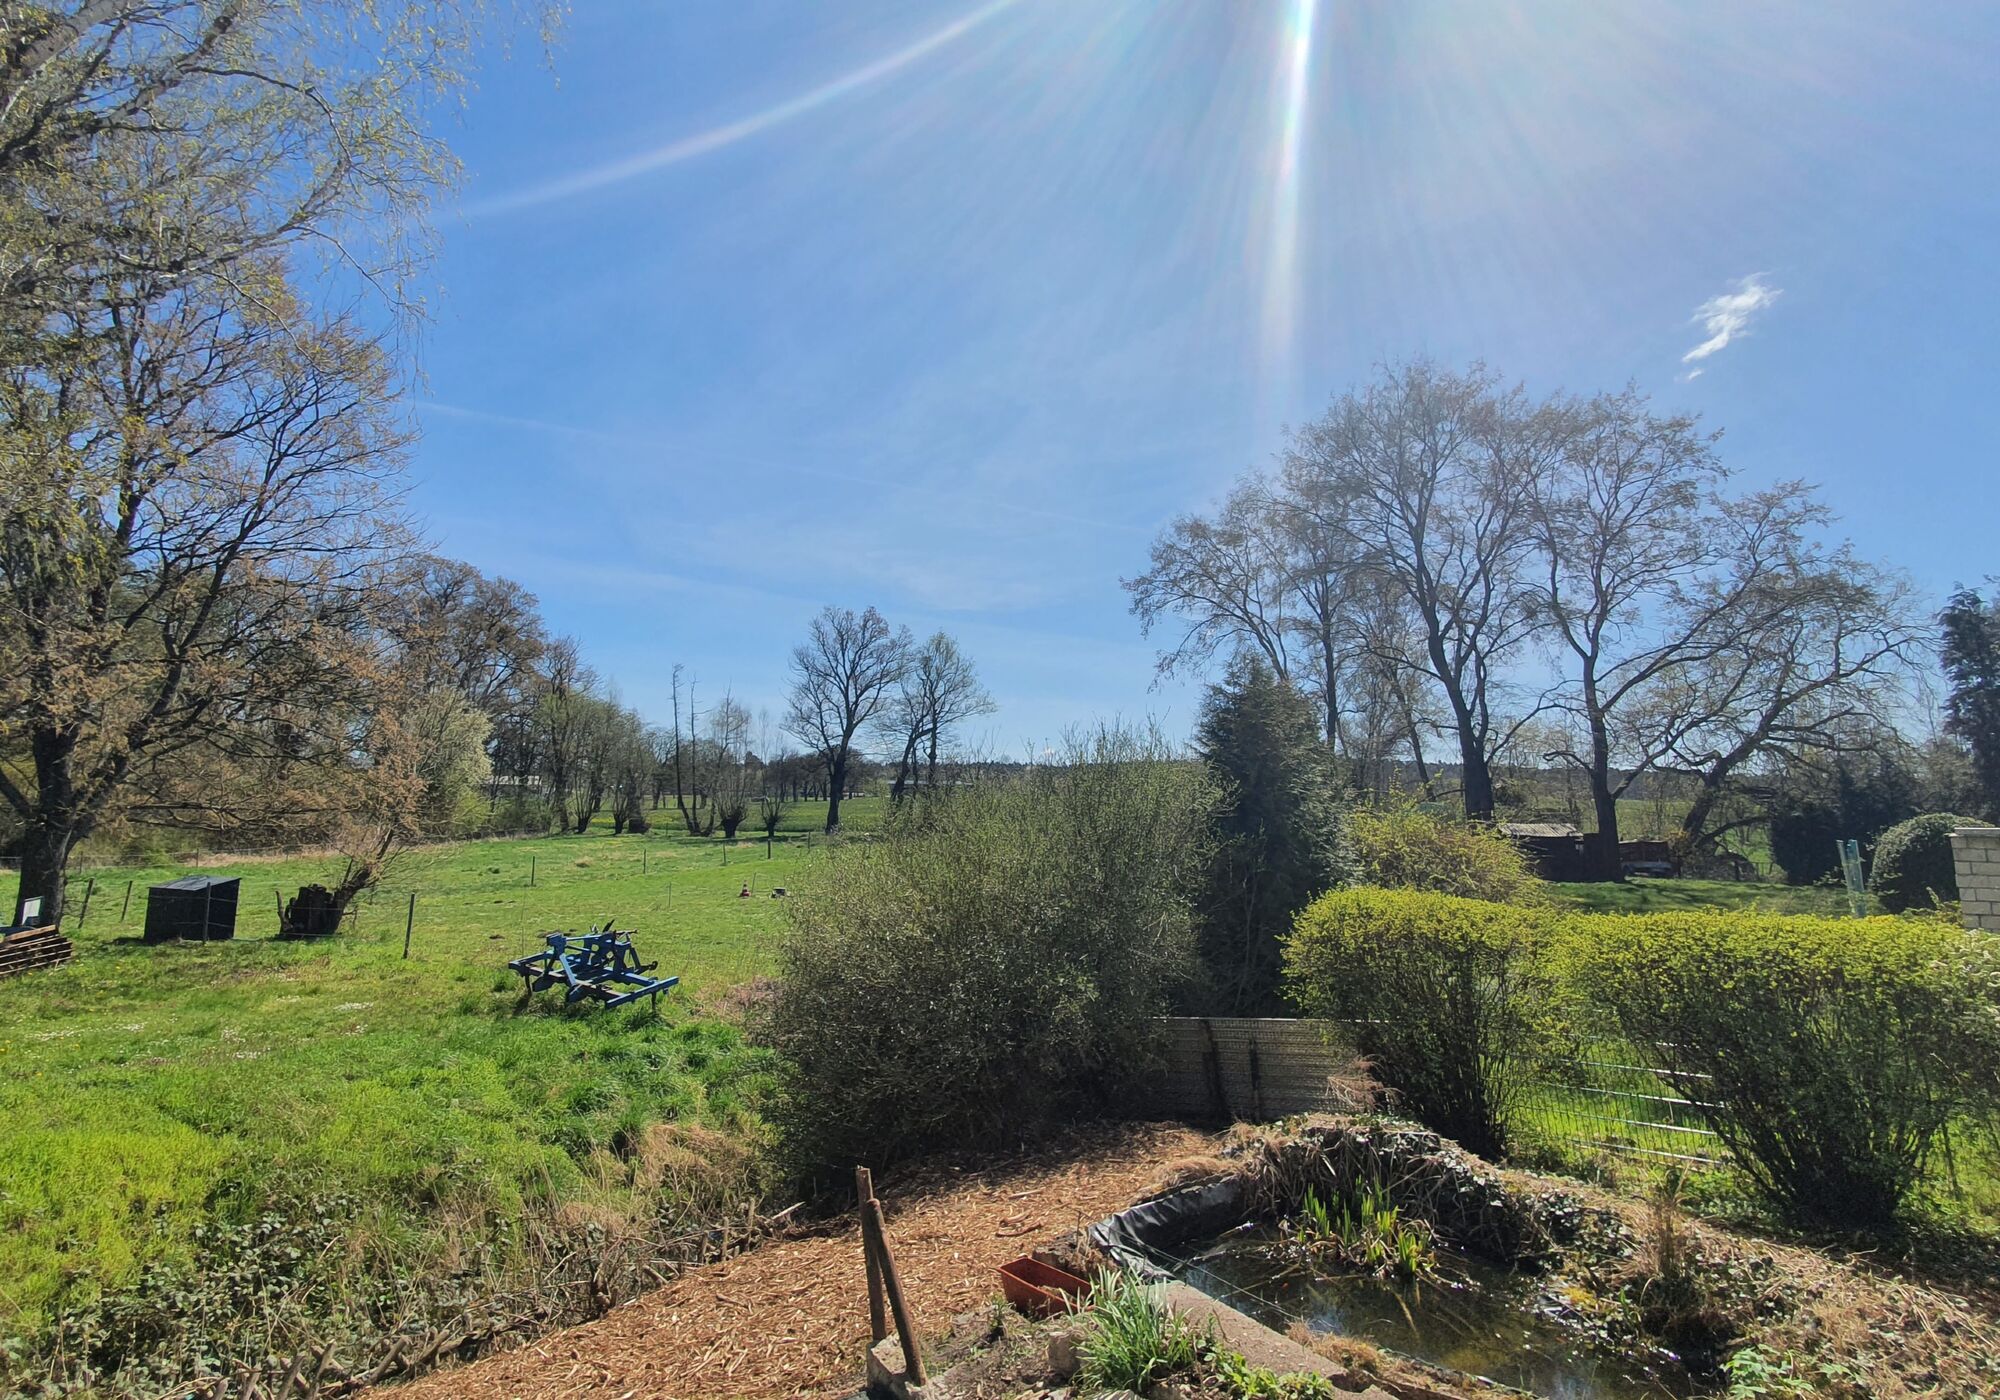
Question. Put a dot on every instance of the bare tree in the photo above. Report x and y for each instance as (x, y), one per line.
(842, 675)
(1424, 480)
(1227, 582)
(1830, 652)
(1648, 577)
(729, 747)
(563, 715)
(939, 691)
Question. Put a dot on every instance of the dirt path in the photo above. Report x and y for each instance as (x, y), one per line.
(791, 1318)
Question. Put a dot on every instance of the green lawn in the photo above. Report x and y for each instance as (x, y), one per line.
(1644, 896)
(149, 1091)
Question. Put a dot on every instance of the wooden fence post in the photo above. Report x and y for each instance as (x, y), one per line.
(127, 904)
(84, 912)
(409, 923)
(878, 1239)
(531, 872)
(878, 1323)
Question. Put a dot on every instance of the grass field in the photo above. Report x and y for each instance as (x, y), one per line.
(150, 1093)
(1643, 896)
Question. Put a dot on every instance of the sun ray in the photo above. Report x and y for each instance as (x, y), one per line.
(716, 138)
(1281, 267)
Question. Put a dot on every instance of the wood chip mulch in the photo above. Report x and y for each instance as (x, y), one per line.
(791, 1318)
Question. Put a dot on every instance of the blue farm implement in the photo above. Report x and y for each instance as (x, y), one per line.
(601, 965)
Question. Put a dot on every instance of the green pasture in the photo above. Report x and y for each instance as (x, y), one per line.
(1640, 895)
(150, 1091)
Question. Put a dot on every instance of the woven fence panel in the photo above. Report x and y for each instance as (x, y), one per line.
(1244, 1069)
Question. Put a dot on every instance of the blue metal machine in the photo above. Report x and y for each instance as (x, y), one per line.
(600, 964)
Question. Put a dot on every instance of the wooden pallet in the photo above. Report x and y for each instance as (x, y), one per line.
(31, 949)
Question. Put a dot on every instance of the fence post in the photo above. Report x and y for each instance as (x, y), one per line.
(279, 895)
(84, 912)
(531, 871)
(864, 1192)
(128, 902)
(875, 1236)
(409, 923)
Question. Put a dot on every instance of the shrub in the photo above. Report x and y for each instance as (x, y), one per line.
(1277, 839)
(995, 963)
(1443, 995)
(1913, 866)
(1402, 846)
(1834, 1051)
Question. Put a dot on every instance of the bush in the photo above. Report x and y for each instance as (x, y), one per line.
(1835, 1051)
(1443, 995)
(993, 964)
(1404, 847)
(1913, 866)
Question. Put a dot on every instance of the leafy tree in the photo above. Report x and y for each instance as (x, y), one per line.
(1276, 829)
(1971, 656)
(1855, 797)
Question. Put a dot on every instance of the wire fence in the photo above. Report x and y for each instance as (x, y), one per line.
(1608, 1100)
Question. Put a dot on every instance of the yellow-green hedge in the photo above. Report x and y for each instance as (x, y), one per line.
(1833, 1052)
(1444, 995)
(1836, 1050)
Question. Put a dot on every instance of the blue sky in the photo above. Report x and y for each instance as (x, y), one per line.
(947, 307)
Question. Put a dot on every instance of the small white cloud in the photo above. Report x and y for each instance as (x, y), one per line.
(1727, 316)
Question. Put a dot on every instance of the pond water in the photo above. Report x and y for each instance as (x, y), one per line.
(1476, 1319)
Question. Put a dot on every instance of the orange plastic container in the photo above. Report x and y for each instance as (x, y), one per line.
(1041, 1290)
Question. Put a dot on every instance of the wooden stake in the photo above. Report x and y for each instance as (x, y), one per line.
(84, 912)
(878, 1323)
(279, 895)
(913, 1358)
(409, 923)
(128, 902)
(531, 872)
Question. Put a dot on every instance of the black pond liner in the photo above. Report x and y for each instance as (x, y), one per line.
(1211, 1236)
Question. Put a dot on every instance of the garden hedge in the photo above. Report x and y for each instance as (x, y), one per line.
(1444, 996)
(1836, 1051)
(1913, 865)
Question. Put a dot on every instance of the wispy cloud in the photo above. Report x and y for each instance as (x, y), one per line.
(715, 138)
(1727, 316)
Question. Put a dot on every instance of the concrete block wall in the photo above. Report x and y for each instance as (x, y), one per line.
(1976, 853)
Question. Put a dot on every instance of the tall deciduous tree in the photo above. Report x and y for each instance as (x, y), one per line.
(939, 691)
(1422, 479)
(1650, 580)
(842, 675)
(196, 466)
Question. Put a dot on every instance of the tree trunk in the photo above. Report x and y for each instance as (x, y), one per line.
(903, 767)
(1332, 691)
(1605, 864)
(836, 774)
(930, 763)
(54, 828)
(45, 852)
(1477, 782)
